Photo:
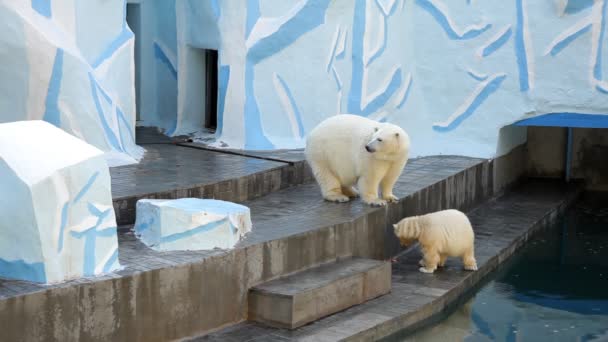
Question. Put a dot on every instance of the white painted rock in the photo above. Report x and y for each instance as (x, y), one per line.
(191, 223)
(56, 216)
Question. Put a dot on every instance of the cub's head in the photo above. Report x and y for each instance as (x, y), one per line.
(388, 141)
(407, 230)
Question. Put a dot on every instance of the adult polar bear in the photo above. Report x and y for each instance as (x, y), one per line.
(346, 149)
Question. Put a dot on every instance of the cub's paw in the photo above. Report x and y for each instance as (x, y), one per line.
(421, 263)
(391, 198)
(337, 198)
(471, 267)
(425, 270)
(376, 202)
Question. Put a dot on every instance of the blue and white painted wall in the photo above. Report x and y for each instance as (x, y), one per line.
(70, 63)
(452, 73)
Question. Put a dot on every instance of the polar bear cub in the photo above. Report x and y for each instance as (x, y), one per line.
(345, 150)
(442, 234)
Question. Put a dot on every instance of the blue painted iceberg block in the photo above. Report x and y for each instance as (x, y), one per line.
(56, 216)
(191, 223)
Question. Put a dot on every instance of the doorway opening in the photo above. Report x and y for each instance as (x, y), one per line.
(211, 80)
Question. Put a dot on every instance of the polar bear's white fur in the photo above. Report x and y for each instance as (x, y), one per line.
(442, 234)
(345, 150)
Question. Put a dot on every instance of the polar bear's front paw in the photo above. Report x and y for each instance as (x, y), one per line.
(425, 270)
(337, 198)
(376, 202)
(391, 198)
(472, 267)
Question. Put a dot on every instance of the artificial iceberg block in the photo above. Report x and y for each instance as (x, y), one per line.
(191, 223)
(56, 216)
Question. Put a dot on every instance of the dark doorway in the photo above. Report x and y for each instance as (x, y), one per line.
(211, 68)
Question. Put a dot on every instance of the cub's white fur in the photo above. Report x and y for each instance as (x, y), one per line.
(345, 150)
(442, 234)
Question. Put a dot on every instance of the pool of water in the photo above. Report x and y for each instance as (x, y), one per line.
(555, 289)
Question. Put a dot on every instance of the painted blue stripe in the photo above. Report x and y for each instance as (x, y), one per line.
(253, 15)
(19, 269)
(254, 134)
(63, 225)
(566, 41)
(86, 187)
(93, 210)
(601, 89)
(359, 22)
(520, 48)
(102, 118)
(309, 17)
(119, 41)
(568, 119)
(172, 127)
(121, 117)
(497, 44)
(406, 95)
(215, 7)
(294, 105)
(43, 7)
(111, 261)
(90, 238)
(597, 68)
(52, 114)
(575, 6)
(488, 90)
(358, 68)
(160, 55)
(384, 96)
(222, 89)
(477, 77)
(200, 229)
(442, 20)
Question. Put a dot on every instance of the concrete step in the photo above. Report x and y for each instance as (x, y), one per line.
(178, 170)
(307, 296)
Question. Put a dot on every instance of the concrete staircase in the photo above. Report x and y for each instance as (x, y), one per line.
(161, 296)
(307, 296)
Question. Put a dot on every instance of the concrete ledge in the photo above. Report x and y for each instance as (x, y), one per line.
(171, 295)
(171, 172)
(304, 297)
(502, 226)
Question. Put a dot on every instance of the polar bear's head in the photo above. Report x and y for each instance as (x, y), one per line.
(407, 230)
(388, 141)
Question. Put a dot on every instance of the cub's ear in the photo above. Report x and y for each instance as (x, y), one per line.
(376, 129)
(395, 226)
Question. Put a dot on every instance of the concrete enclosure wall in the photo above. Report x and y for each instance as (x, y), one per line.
(547, 154)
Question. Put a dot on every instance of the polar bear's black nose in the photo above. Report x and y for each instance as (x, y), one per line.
(369, 149)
